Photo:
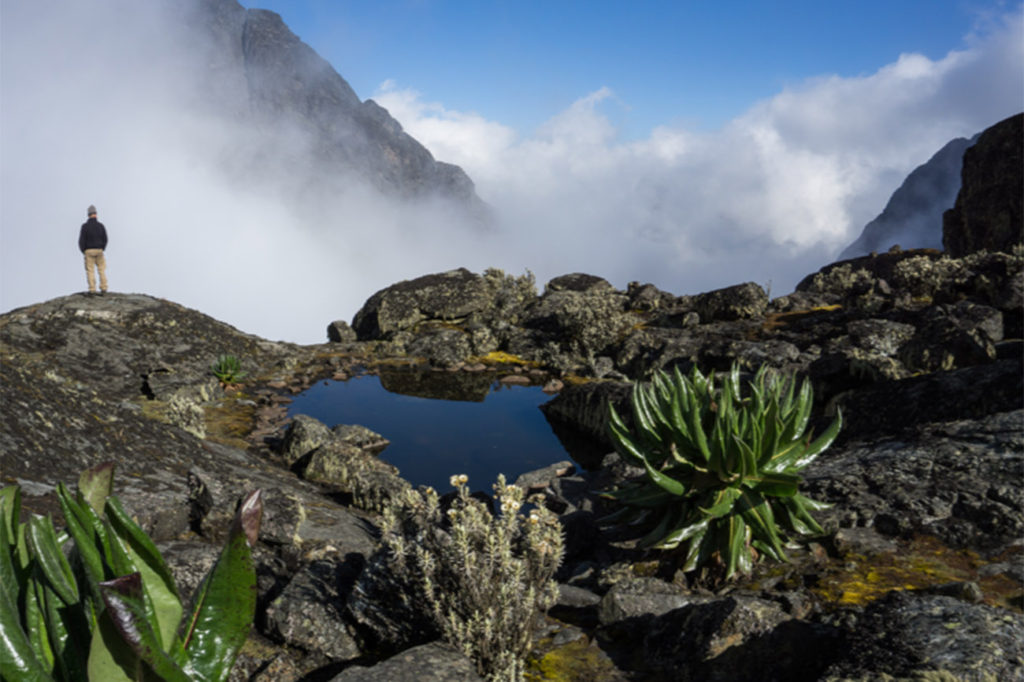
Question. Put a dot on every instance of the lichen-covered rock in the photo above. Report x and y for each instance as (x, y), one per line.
(988, 211)
(951, 336)
(365, 439)
(737, 639)
(634, 603)
(340, 332)
(579, 281)
(370, 481)
(957, 481)
(738, 302)
(443, 296)
(308, 614)
(303, 435)
(434, 662)
(647, 297)
(585, 406)
(442, 348)
(112, 342)
(909, 635)
(584, 323)
(188, 415)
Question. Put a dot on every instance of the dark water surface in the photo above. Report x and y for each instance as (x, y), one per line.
(491, 428)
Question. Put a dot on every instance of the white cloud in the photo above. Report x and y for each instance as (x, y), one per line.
(773, 195)
(770, 197)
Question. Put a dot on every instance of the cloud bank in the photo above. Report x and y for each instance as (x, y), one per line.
(773, 195)
(97, 108)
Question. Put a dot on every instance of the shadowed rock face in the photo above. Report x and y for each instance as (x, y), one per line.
(988, 213)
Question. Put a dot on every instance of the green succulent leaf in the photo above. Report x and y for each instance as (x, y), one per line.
(42, 542)
(96, 484)
(19, 657)
(717, 457)
(222, 612)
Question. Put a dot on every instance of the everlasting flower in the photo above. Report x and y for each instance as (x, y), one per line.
(458, 479)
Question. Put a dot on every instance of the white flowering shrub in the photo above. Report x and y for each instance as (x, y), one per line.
(486, 578)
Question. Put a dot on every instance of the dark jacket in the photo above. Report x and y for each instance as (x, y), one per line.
(92, 236)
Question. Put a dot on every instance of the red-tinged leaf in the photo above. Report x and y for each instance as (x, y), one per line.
(123, 598)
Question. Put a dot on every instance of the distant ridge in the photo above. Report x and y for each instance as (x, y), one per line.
(307, 118)
(913, 216)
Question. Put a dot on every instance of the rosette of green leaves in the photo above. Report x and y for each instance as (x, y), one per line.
(722, 466)
(108, 609)
(227, 368)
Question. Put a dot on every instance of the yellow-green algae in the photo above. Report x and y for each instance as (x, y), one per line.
(925, 562)
(573, 662)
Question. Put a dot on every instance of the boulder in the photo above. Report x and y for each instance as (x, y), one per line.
(442, 348)
(738, 302)
(308, 613)
(988, 211)
(737, 639)
(953, 481)
(340, 332)
(303, 435)
(908, 635)
(434, 662)
(579, 281)
(444, 296)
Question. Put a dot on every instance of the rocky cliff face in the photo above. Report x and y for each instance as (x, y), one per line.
(913, 216)
(921, 212)
(307, 120)
(988, 212)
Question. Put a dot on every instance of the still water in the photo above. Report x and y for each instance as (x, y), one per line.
(441, 424)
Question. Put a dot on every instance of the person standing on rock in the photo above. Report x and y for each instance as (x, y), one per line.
(92, 240)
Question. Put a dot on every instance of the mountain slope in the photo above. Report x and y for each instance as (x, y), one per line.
(913, 216)
(305, 115)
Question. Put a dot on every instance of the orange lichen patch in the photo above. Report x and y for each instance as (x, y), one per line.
(925, 563)
(777, 320)
(576, 380)
(500, 357)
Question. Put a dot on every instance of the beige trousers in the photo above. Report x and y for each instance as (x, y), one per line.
(94, 259)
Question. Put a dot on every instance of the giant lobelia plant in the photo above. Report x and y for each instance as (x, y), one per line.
(108, 609)
(722, 465)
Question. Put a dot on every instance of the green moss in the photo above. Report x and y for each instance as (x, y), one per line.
(230, 421)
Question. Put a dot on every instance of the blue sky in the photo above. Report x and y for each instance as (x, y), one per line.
(694, 63)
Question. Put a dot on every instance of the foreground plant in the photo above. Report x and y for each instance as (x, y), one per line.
(722, 465)
(485, 578)
(109, 609)
(228, 368)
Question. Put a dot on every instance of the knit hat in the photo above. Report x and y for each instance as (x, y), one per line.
(92, 210)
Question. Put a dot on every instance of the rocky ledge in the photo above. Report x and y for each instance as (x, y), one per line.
(918, 574)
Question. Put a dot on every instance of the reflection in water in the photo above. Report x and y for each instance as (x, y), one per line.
(469, 424)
